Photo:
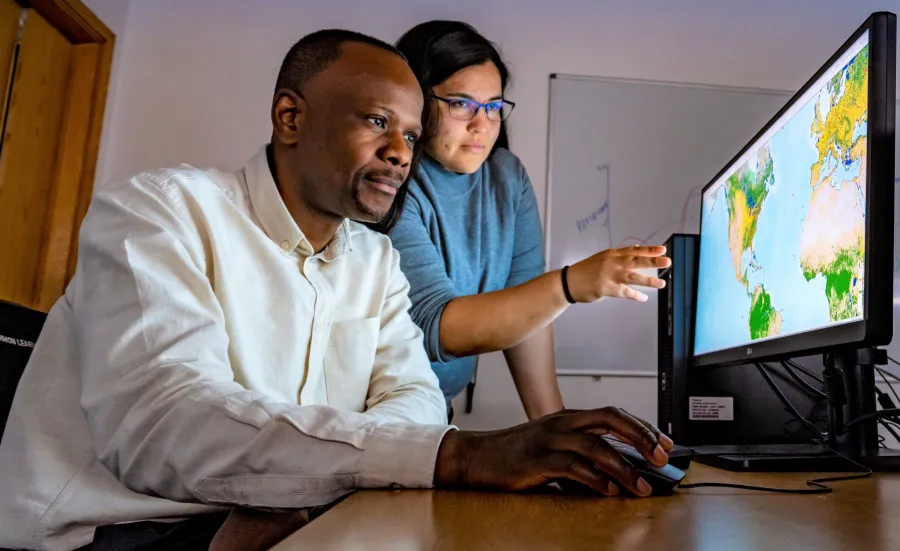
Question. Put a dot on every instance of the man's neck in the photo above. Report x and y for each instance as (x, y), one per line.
(318, 227)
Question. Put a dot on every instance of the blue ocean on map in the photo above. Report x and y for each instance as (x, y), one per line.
(777, 243)
(720, 294)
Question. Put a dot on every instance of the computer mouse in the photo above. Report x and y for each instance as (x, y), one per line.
(663, 480)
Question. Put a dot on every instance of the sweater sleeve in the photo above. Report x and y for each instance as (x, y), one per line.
(528, 246)
(430, 286)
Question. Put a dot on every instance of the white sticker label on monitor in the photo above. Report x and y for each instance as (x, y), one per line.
(713, 408)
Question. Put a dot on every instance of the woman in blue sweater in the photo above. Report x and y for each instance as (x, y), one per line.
(469, 233)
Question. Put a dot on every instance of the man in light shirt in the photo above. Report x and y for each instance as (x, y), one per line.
(233, 343)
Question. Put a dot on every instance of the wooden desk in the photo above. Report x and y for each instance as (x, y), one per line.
(860, 515)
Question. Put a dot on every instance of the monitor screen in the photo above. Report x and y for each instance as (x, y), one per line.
(783, 227)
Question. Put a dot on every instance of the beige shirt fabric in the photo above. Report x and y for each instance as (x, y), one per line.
(205, 356)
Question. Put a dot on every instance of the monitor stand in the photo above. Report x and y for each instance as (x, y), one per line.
(850, 385)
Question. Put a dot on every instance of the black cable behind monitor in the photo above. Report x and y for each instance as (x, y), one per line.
(808, 373)
(801, 382)
(889, 426)
(881, 414)
(884, 375)
(883, 399)
(809, 426)
(836, 395)
(886, 403)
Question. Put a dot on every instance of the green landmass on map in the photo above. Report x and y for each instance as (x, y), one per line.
(765, 321)
(843, 294)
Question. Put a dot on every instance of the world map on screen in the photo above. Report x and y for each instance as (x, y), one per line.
(782, 236)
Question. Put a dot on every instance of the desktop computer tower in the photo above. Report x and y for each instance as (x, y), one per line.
(675, 335)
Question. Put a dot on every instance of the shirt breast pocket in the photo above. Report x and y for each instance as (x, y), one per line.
(349, 358)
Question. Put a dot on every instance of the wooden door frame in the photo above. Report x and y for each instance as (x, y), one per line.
(79, 140)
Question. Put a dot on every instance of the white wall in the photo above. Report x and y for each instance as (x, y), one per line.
(114, 14)
(195, 82)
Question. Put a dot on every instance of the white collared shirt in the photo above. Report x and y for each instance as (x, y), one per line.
(204, 356)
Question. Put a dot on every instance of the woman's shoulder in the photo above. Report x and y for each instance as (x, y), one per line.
(505, 160)
(506, 173)
(416, 197)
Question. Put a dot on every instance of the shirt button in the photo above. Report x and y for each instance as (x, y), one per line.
(285, 244)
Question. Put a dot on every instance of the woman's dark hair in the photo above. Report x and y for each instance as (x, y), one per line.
(436, 50)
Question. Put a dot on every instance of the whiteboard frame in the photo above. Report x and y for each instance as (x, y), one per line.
(548, 179)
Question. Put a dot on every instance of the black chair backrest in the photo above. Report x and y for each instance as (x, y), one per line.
(19, 330)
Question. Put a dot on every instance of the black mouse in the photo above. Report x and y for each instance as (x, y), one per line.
(663, 480)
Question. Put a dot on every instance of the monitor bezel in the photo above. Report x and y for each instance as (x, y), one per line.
(876, 327)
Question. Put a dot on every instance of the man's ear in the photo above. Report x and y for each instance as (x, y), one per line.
(288, 112)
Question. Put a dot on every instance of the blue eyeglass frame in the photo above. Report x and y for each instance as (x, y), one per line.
(479, 106)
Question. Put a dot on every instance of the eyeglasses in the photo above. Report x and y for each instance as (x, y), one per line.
(467, 109)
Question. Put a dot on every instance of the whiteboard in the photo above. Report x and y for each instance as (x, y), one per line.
(626, 162)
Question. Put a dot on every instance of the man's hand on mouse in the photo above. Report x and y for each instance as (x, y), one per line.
(568, 445)
(611, 273)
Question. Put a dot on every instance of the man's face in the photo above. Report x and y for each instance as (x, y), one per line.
(357, 124)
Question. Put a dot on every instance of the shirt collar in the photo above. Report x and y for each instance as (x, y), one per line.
(275, 218)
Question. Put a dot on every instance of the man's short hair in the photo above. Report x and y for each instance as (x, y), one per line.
(316, 51)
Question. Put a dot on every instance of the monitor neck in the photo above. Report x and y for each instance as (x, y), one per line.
(850, 386)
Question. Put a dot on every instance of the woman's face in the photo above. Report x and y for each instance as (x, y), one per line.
(463, 145)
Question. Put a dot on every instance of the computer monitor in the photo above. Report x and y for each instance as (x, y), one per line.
(796, 241)
(796, 231)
